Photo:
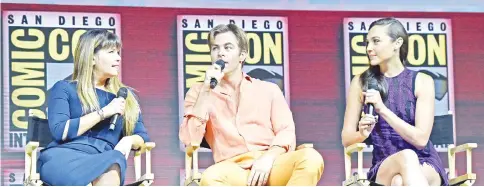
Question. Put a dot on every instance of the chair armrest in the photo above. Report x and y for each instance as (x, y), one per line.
(31, 175)
(146, 149)
(191, 165)
(357, 147)
(31, 147)
(461, 148)
(468, 178)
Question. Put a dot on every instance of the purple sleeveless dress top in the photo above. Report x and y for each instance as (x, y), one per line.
(386, 141)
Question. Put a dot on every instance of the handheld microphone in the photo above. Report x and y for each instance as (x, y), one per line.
(122, 92)
(213, 81)
(373, 84)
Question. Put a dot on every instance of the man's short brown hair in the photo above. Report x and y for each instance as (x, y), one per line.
(237, 31)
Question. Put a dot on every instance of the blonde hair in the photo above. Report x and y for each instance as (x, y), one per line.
(89, 44)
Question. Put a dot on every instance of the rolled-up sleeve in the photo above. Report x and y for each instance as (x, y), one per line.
(191, 130)
(282, 122)
(59, 112)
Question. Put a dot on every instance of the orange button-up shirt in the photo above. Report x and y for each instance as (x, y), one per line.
(262, 119)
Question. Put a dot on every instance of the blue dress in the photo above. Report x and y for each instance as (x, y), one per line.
(386, 141)
(79, 160)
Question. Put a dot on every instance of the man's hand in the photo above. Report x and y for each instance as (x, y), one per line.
(261, 168)
(260, 171)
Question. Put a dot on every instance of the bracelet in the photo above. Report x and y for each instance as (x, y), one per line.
(101, 114)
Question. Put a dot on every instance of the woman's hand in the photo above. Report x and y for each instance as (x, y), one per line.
(366, 124)
(373, 97)
(125, 145)
(116, 106)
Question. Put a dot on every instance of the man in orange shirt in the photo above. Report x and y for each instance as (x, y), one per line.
(246, 122)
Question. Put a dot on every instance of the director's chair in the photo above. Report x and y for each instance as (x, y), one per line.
(359, 178)
(192, 175)
(39, 136)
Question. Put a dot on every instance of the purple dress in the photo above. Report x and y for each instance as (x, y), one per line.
(386, 141)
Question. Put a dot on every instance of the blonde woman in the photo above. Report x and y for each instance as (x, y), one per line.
(84, 149)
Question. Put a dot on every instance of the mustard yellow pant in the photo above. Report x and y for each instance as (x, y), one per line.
(303, 167)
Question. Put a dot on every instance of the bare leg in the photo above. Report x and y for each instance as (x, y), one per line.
(431, 174)
(404, 163)
(397, 180)
(110, 178)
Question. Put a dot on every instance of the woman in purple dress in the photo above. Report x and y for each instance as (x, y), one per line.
(404, 112)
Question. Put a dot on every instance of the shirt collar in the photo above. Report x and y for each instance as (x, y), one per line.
(246, 81)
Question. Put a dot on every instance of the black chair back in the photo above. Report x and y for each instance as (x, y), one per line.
(38, 131)
(204, 144)
(442, 131)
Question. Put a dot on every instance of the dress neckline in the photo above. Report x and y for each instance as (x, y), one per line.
(399, 74)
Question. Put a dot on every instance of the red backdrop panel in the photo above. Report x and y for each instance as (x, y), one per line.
(316, 78)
